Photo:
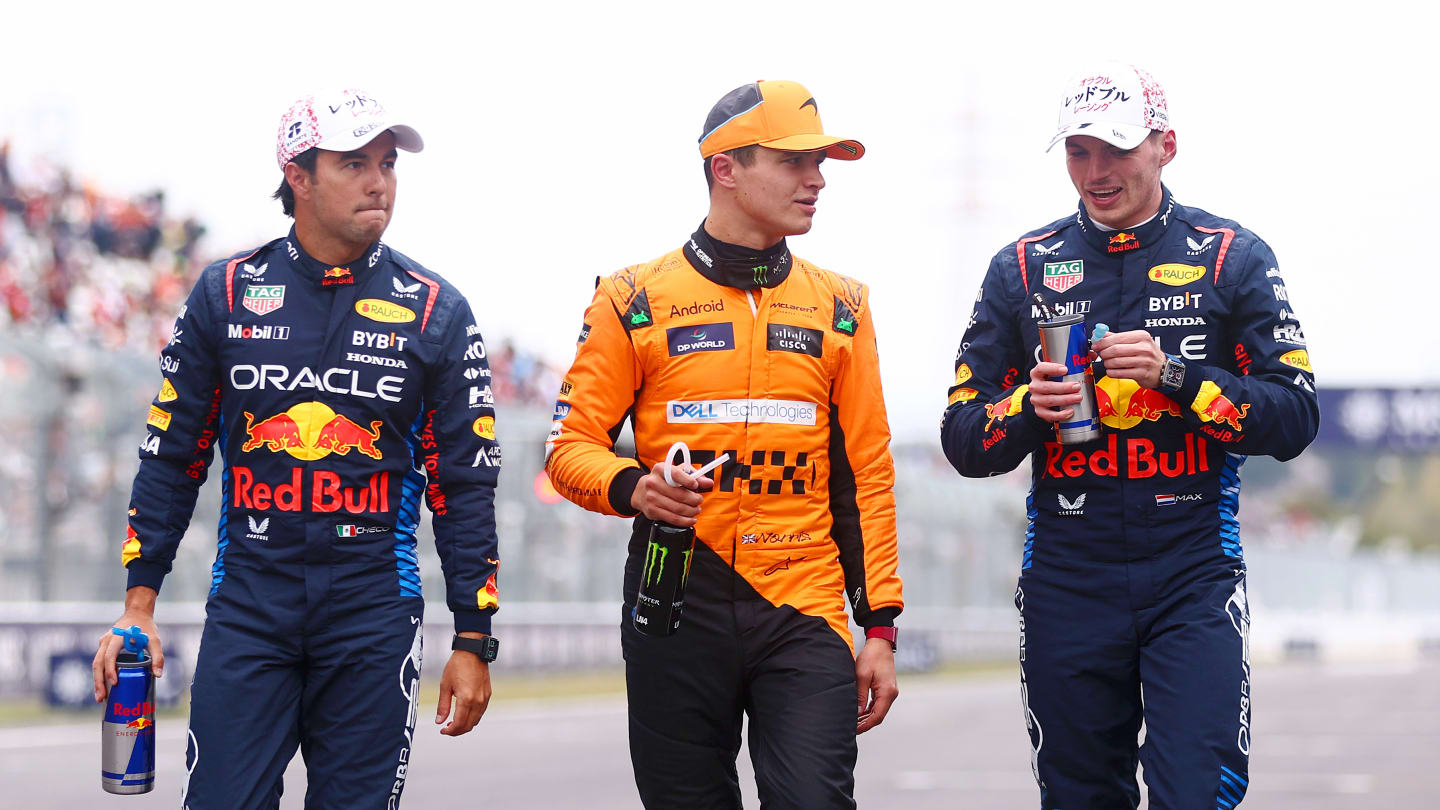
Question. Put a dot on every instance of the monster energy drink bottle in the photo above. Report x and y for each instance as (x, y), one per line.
(661, 598)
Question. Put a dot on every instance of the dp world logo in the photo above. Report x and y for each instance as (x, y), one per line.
(705, 337)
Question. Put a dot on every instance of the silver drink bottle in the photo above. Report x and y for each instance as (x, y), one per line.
(1063, 341)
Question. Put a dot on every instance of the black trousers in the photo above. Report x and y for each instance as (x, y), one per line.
(737, 654)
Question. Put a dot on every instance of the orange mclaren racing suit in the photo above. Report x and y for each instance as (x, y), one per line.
(779, 370)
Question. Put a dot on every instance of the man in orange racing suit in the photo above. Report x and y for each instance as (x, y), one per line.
(732, 345)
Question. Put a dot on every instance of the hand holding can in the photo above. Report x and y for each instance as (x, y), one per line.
(127, 732)
(661, 597)
(1063, 341)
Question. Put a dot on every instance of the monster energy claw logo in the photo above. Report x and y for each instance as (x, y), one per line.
(655, 562)
(655, 556)
(760, 272)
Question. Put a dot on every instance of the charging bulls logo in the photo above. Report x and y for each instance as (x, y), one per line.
(309, 431)
(489, 596)
(1123, 404)
(1212, 406)
(1009, 406)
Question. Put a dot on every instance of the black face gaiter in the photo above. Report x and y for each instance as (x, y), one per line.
(735, 266)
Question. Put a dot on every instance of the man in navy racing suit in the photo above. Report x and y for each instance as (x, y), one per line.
(1132, 572)
(342, 382)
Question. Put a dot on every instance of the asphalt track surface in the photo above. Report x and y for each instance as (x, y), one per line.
(1327, 737)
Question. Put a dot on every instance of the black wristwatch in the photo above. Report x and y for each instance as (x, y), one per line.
(487, 648)
(1172, 374)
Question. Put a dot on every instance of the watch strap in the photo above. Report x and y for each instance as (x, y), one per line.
(890, 634)
(487, 648)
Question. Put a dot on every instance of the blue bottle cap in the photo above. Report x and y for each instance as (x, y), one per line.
(135, 640)
(1101, 330)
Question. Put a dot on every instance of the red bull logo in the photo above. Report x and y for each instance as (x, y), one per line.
(326, 492)
(1009, 406)
(139, 710)
(1142, 459)
(1123, 404)
(141, 723)
(1122, 241)
(1212, 406)
(489, 596)
(131, 547)
(309, 431)
(335, 276)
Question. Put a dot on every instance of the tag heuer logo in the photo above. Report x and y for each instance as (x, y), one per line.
(263, 299)
(1061, 276)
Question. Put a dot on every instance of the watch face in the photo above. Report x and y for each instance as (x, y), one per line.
(1172, 374)
(486, 648)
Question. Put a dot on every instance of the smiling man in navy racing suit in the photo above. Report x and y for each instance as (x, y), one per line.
(342, 383)
(1132, 572)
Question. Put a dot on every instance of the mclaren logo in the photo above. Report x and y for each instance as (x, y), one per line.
(810, 102)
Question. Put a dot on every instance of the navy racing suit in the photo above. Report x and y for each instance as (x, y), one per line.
(338, 397)
(1132, 570)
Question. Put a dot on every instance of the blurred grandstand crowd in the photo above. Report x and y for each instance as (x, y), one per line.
(100, 267)
(79, 265)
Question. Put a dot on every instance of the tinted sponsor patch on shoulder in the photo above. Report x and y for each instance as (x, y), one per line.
(637, 315)
(845, 320)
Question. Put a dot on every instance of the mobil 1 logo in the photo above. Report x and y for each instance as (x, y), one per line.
(786, 338)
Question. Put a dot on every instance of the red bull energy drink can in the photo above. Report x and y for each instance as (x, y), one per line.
(661, 598)
(127, 732)
(1063, 341)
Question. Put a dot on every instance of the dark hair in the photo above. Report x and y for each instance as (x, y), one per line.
(744, 155)
(286, 195)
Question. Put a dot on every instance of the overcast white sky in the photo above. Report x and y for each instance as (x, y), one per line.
(560, 142)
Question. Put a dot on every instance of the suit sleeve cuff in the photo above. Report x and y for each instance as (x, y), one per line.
(144, 572)
(881, 617)
(622, 487)
(473, 621)
(1039, 428)
(1194, 376)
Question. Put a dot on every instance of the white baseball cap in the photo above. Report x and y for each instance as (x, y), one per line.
(1117, 103)
(338, 122)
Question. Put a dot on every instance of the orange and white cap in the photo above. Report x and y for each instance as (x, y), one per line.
(778, 115)
(339, 122)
